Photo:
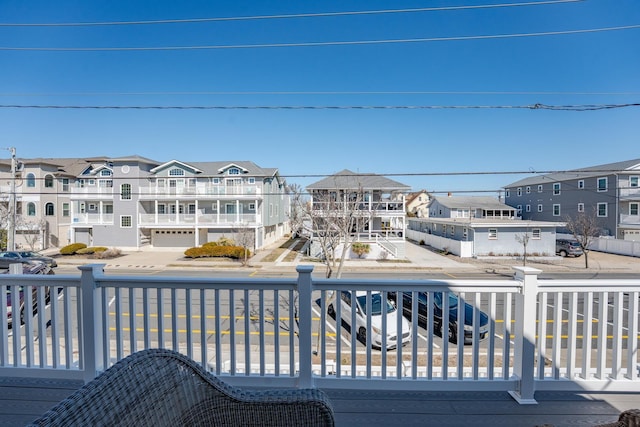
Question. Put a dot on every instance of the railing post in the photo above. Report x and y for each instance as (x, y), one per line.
(91, 330)
(525, 335)
(305, 285)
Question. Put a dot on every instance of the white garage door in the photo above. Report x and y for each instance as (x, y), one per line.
(173, 238)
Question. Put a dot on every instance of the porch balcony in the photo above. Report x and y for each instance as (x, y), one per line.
(630, 193)
(172, 220)
(91, 219)
(92, 193)
(543, 338)
(629, 219)
(208, 191)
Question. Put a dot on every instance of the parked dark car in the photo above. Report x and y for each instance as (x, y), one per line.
(9, 257)
(36, 268)
(407, 303)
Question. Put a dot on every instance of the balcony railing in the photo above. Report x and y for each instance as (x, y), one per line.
(92, 219)
(200, 191)
(629, 219)
(379, 206)
(538, 335)
(197, 219)
(92, 193)
(630, 192)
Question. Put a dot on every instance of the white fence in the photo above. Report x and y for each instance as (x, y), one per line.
(616, 246)
(456, 247)
(540, 335)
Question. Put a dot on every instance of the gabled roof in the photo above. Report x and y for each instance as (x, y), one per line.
(177, 163)
(472, 202)
(347, 180)
(588, 172)
(412, 196)
(218, 168)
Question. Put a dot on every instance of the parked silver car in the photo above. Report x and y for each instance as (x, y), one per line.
(565, 247)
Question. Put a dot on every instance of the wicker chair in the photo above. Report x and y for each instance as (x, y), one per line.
(164, 388)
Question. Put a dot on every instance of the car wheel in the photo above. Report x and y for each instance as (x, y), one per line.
(453, 333)
(331, 311)
(362, 335)
(563, 253)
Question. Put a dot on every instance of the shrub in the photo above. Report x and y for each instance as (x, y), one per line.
(225, 241)
(72, 248)
(360, 249)
(236, 252)
(91, 250)
(107, 253)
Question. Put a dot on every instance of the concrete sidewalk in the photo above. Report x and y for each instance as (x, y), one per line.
(417, 258)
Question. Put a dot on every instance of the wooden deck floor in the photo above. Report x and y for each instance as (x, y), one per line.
(22, 400)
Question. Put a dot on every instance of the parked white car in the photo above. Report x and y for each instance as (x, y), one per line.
(378, 310)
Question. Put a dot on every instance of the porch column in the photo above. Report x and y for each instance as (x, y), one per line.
(257, 219)
(525, 335)
(91, 328)
(155, 209)
(100, 207)
(305, 287)
(237, 210)
(177, 218)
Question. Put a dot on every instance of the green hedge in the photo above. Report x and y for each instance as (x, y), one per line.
(207, 250)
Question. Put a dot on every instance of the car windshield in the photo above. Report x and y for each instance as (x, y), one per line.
(29, 254)
(376, 304)
(453, 299)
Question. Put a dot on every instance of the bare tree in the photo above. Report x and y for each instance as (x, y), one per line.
(32, 231)
(584, 228)
(297, 209)
(523, 239)
(244, 237)
(334, 219)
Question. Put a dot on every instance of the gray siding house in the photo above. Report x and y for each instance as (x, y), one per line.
(481, 226)
(609, 191)
(132, 202)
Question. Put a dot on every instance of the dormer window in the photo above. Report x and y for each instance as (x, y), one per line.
(234, 171)
(176, 172)
(105, 172)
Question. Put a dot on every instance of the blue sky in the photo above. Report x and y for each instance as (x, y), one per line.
(422, 148)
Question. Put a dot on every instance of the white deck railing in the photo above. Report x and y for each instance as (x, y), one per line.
(542, 335)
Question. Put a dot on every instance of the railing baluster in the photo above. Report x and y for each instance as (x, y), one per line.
(217, 331)
(542, 335)
(633, 373)
(160, 310)
(603, 310)
(587, 335)
(232, 331)
(491, 344)
(276, 331)
(188, 318)
(246, 310)
(133, 338)
(556, 358)
(261, 331)
(616, 342)
(572, 333)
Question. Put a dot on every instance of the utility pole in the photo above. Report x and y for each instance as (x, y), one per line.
(11, 222)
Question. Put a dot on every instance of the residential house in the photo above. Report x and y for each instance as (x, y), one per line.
(131, 202)
(476, 226)
(418, 204)
(610, 191)
(377, 201)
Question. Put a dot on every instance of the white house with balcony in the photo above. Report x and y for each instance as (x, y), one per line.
(377, 202)
(479, 226)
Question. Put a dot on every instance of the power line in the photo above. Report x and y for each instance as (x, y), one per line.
(286, 16)
(583, 107)
(271, 93)
(315, 44)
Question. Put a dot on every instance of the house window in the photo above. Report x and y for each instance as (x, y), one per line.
(105, 172)
(162, 209)
(92, 182)
(65, 184)
(252, 206)
(49, 209)
(125, 221)
(539, 208)
(602, 184)
(528, 190)
(82, 208)
(539, 188)
(31, 180)
(519, 191)
(556, 210)
(519, 207)
(214, 207)
(191, 209)
(633, 181)
(234, 171)
(31, 209)
(580, 207)
(602, 209)
(252, 180)
(453, 230)
(507, 193)
(48, 181)
(493, 234)
(105, 183)
(581, 184)
(633, 208)
(464, 232)
(556, 189)
(108, 209)
(92, 206)
(65, 209)
(527, 208)
(535, 234)
(125, 192)
(215, 180)
(176, 172)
